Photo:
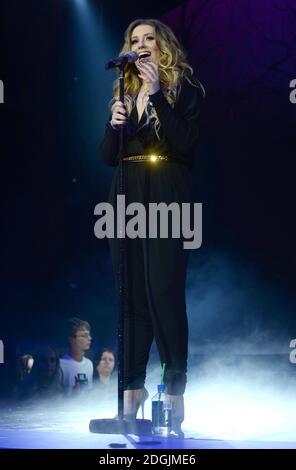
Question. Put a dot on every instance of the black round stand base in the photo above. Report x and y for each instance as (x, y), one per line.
(140, 427)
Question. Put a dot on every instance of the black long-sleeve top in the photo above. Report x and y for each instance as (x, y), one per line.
(179, 128)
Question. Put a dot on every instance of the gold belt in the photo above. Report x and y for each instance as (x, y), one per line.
(146, 158)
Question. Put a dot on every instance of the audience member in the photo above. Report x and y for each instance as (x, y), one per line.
(77, 369)
(45, 380)
(104, 367)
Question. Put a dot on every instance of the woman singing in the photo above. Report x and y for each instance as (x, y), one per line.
(161, 117)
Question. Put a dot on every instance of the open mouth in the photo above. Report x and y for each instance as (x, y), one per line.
(144, 56)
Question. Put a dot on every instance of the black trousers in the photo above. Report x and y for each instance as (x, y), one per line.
(155, 275)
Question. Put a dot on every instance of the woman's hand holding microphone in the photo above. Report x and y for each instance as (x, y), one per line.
(119, 115)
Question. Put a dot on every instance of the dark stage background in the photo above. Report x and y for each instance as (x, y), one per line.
(241, 283)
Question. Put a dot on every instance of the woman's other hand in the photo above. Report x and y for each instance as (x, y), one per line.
(149, 74)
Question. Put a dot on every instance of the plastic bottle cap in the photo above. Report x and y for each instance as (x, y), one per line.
(161, 388)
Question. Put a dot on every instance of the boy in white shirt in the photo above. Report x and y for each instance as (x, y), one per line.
(77, 369)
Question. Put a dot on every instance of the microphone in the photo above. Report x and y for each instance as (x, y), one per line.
(130, 56)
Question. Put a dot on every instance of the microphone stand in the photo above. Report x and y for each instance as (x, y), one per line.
(120, 425)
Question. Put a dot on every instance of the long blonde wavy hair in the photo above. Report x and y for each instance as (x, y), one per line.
(172, 67)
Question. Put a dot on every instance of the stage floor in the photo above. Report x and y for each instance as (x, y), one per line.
(64, 426)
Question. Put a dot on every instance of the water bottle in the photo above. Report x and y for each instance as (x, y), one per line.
(161, 412)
